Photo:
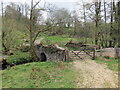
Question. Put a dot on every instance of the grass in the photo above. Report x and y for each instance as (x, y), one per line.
(56, 40)
(39, 75)
(111, 63)
(61, 40)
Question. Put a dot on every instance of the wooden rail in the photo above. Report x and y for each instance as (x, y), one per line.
(91, 54)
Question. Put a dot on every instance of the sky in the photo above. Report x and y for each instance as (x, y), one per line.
(28, 1)
(41, 0)
(69, 4)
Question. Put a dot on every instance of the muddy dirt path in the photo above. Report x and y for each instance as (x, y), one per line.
(94, 75)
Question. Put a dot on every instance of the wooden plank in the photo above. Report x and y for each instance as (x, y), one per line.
(76, 55)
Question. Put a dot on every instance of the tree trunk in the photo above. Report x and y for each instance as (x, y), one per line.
(111, 26)
(105, 17)
(97, 19)
(32, 48)
(118, 12)
(3, 33)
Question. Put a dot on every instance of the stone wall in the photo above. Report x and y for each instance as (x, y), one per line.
(52, 53)
(117, 52)
(111, 52)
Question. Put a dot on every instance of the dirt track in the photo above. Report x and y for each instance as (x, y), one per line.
(94, 75)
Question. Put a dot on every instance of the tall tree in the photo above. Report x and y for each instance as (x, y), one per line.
(105, 16)
(105, 19)
(111, 25)
(31, 29)
(26, 10)
(118, 19)
(97, 18)
(62, 19)
(34, 28)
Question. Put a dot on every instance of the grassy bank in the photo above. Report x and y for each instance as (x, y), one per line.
(39, 75)
(56, 40)
(60, 39)
(111, 63)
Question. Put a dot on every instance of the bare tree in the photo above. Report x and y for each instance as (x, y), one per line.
(111, 25)
(61, 18)
(26, 7)
(31, 29)
(34, 28)
(97, 19)
(118, 19)
(105, 19)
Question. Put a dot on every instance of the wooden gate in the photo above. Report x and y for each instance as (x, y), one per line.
(77, 48)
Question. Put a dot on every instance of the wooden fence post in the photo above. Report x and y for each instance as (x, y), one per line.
(94, 53)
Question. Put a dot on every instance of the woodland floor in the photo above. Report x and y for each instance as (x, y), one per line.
(94, 75)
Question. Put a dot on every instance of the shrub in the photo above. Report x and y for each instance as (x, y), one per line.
(18, 57)
(107, 57)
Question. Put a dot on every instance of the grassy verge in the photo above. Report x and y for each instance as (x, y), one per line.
(111, 63)
(39, 75)
(61, 40)
(56, 39)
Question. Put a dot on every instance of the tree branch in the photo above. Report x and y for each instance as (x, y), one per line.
(36, 4)
(44, 30)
